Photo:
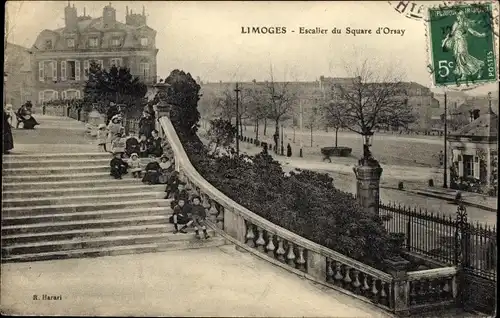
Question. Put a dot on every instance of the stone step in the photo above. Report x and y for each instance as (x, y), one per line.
(117, 250)
(26, 179)
(84, 224)
(83, 207)
(82, 199)
(55, 163)
(98, 242)
(107, 182)
(90, 215)
(57, 156)
(97, 232)
(55, 170)
(110, 190)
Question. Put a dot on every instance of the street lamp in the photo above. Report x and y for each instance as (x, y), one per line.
(282, 149)
(368, 138)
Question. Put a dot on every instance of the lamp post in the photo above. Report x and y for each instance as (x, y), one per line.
(237, 90)
(445, 159)
(282, 149)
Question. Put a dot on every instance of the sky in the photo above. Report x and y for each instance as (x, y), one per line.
(205, 38)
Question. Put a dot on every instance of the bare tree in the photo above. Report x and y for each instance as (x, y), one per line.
(370, 99)
(312, 121)
(280, 102)
(331, 111)
(256, 110)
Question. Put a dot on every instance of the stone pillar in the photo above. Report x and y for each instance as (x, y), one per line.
(368, 185)
(400, 302)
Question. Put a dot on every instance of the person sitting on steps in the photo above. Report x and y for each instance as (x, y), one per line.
(172, 184)
(198, 216)
(181, 216)
(135, 165)
(118, 166)
(153, 171)
(181, 193)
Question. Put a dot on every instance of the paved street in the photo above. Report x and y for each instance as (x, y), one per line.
(345, 180)
(206, 282)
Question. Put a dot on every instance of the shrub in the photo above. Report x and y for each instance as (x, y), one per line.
(305, 202)
(336, 151)
(431, 183)
(400, 185)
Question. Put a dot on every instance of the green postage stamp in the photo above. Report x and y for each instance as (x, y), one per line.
(462, 44)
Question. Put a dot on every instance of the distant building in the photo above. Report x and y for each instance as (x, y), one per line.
(474, 145)
(311, 94)
(19, 79)
(61, 58)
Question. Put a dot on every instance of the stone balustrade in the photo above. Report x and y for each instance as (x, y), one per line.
(281, 247)
(432, 287)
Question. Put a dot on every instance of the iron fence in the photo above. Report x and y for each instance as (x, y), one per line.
(447, 239)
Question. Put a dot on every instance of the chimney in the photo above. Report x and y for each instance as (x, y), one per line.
(143, 11)
(475, 114)
(70, 17)
(109, 15)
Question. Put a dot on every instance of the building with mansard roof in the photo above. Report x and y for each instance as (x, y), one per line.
(474, 145)
(61, 57)
(17, 69)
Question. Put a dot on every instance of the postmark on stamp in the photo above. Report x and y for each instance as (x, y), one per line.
(462, 45)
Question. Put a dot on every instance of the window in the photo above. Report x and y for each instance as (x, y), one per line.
(48, 45)
(93, 42)
(115, 62)
(86, 66)
(468, 166)
(144, 70)
(70, 70)
(47, 95)
(70, 42)
(115, 42)
(47, 70)
(144, 41)
(71, 94)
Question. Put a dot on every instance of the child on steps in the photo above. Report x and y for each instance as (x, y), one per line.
(102, 135)
(135, 165)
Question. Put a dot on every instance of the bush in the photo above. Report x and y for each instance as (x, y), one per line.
(400, 185)
(336, 151)
(431, 183)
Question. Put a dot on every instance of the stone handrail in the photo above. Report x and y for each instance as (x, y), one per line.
(277, 244)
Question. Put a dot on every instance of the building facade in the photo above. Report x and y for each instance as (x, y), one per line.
(62, 57)
(19, 80)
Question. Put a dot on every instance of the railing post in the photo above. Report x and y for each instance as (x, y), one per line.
(408, 231)
(316, 265)
(400, 300)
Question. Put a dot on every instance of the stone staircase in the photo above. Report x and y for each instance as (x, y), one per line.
(67, 206)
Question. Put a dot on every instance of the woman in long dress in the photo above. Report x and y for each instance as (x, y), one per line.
(25, 115)
(466, 65)
(8, 140)
(12, 116)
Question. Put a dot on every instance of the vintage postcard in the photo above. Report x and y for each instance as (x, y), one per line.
(250, 158)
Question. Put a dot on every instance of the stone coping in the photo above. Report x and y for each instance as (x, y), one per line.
(185, 165)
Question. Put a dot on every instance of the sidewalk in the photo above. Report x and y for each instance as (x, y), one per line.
(472, 199)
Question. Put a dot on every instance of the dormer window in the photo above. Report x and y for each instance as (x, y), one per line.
(93, 42)
(144, 41)
(115, 42)
(70, 43)
(48, 44)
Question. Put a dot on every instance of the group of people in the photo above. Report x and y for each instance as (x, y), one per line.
(23, 117)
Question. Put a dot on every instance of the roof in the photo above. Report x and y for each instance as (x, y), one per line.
(484, 126)
(97, 24)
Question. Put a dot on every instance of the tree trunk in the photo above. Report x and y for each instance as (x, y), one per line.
(257, 129)
(277, 132)
(241, 127)
(265, 126)
(336, 137)
(311, 135)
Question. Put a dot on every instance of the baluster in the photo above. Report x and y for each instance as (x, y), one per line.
(374, 289)
(291, 255)
(280, 252)
(212, 212)
(356, 283)
(250, 235)
(413, 292)
(270, 245)
(220, 218)
(338, 273)
(329, 270)
(260, 240)
(301, 262)
(365, 287)
(422, 291)
(347, 277)
(445, 291)
(430, 289)
(383, 294)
